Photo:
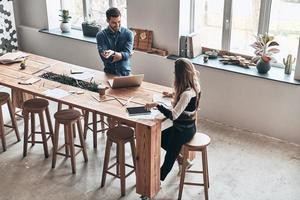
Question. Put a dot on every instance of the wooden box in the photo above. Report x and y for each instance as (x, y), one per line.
(142, 39)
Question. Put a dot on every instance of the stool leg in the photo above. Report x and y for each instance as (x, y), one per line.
(184, 166)
(59, 106)
(132, 145)
(102, 123)
(73, 126)
(26, 127)
(2, 134)
(50, 127)
(55, 146)
(67, 142)
(82, 143)
(32, 129)
(118, 160)
(13, 119)
(95, 129)
(70, 136)
(43, 133)
(106, 161)
(205, 175)
(86, 123)
(122, 166)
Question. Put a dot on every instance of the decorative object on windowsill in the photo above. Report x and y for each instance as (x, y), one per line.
(159, 52)
(65, 25)
(61, 78)
(236, 60)
(288, 63)
(90, 28)
(265, 46)
(142, 39)
(212, 54)
(205, 58)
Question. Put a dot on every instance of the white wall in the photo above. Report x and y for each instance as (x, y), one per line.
(260, 105)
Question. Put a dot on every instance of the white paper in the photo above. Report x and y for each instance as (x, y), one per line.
(30, 81)
(151, 116)
(12, 57)
(165, 101)
(56, 93)
(83, 76)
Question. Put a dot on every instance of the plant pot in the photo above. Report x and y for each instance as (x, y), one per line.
(90, 30)
(65, 27)
(263, 67)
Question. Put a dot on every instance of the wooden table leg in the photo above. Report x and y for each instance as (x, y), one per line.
(148, 159)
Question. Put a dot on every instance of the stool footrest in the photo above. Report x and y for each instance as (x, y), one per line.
(196, 184)
(7, 125)
(195, 172)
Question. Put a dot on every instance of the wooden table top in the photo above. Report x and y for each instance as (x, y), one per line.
(11, 74)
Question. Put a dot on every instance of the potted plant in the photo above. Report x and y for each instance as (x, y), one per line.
(265, 46)
(90, 28)
(65, 25)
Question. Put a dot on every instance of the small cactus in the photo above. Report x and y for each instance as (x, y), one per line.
(288, 62)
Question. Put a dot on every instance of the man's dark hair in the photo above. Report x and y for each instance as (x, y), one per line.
(113, 12)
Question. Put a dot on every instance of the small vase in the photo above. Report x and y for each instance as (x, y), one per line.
(65, 27)
(262, 66)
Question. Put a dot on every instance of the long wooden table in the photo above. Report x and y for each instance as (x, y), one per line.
(148, 132)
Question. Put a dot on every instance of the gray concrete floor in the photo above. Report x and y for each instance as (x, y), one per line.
(242, 165)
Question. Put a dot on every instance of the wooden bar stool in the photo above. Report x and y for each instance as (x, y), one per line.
(4, 99)
(32, 107)
(68, 118)
(199, 143)
(119, 135)
(94, 129)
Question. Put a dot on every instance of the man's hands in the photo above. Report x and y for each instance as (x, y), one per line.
(116, 55)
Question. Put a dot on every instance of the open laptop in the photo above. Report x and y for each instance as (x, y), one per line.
(126, 81)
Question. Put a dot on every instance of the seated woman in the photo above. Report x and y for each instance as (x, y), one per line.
(183, 114)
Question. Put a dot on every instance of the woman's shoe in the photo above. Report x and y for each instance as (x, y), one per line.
(190, 164)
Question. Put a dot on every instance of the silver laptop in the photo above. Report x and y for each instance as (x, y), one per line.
(126, 81)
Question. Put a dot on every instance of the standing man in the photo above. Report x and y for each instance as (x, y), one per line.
(115, 45)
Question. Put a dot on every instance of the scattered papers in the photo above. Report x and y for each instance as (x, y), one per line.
(30, 81)
(152, 116)
(56, 93)
(12, 57)
(82, 76)
(166, 101)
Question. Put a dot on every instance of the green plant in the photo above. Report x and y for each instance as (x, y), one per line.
(288, 62)
(61, 78)
(265, 46)
(65, 16)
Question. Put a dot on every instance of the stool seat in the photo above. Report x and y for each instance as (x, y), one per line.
(67, 115)
(4, 97)
(36, 104)
(120, 133)
(199, 140)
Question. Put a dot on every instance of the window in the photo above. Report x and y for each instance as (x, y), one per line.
(208, 22)
(232, 24)
(285, 25)
(95, 10)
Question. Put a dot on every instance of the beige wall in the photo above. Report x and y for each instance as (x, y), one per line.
(260, 105)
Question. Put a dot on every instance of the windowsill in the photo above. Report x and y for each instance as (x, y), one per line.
(74, 34)
(275, 73)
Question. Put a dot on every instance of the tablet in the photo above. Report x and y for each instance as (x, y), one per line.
(140, 110)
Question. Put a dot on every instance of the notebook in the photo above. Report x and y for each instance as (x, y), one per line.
(126, 81)
(140, 110)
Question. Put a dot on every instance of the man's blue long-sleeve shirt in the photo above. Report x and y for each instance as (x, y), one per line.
(120, 41)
